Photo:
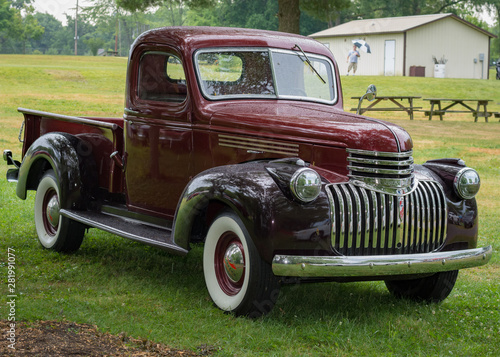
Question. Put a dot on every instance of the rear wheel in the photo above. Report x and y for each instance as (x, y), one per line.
(54, 231)
(237, 279)
(434, 288)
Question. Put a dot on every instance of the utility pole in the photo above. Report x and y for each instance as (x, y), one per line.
(76, 29)
(116, 33)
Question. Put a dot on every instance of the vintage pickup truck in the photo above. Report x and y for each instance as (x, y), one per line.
(237, 138)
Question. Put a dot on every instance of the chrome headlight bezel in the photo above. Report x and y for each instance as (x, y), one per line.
(305, 185)
(467, 183)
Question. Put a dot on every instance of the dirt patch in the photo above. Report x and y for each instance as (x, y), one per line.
(63, 338)
(492, 152)
(72, 76)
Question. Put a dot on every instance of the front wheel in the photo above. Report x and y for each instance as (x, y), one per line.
(54, 231)
(237, 279)
(434, 288)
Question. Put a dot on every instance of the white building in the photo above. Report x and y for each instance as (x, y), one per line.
(400, 43)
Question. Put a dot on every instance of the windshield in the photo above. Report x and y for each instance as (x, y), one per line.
(265, 73)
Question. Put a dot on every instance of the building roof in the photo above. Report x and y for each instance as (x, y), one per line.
(389, 25)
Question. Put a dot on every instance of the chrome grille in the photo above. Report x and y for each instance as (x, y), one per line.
(386, 172)
(365, 222)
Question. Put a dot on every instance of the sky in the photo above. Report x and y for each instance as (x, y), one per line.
(57, 8)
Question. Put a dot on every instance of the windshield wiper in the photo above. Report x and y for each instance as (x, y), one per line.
(309, 63)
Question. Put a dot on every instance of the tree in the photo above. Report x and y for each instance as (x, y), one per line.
(494, 7)
(260, 14)
(288, 11)
(29, 27)
(52, 35)
(10, 23)
(289, 16)
(94, 43)
(325, 10)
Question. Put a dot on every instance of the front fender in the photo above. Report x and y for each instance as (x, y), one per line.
(59, 152)
(462, 220)
(276, 222)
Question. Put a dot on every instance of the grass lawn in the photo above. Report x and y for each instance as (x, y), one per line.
(123, 286)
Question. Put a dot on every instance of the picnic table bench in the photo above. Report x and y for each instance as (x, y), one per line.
(395, 99)
(477, 112)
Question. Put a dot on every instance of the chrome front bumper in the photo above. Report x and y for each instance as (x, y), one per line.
(383, 265)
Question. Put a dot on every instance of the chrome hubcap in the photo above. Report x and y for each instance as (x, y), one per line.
(234, 263)
(53, 211)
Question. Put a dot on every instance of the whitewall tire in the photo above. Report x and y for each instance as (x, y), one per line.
(54, 231)
(237, 279)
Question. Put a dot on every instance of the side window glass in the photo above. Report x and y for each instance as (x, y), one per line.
(161, 78)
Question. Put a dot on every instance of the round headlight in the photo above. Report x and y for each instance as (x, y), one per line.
(467, 183)
(305, 185)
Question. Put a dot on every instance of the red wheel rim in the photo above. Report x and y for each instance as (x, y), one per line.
(229, 283)
(50, 195)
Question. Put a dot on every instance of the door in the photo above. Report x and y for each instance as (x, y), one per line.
(158, 136)
(390, 58)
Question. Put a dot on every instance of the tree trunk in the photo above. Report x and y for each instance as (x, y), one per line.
(289, 16)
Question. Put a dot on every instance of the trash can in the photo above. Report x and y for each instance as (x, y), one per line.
(439, 70)
(417, 71)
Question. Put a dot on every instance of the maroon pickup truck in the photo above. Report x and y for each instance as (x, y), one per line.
(237, 138)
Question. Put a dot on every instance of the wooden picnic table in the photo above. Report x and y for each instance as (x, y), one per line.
(468, 109)
(395, 99)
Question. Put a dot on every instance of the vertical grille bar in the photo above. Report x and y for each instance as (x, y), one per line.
(383, 223)
(349, 215)
(390, 223)
(375, 219)
(420, 233)
(365, 222)
(399, 215)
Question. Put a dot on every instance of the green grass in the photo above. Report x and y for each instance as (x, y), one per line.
(122, 286)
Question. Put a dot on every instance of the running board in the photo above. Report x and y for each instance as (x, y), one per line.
(157, 237)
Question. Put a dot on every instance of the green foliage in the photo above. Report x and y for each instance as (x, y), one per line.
(118, 23)
(20, 23)
(325, 10)
(94, 44)
(143, 292)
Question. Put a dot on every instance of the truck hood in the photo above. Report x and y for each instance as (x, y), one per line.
(311, 123)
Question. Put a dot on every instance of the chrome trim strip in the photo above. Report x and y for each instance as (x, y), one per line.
(258, 145)
(68, 118)
(384, 222)
(348, 217)
(359, 216)
(380, 153)
(399, 216)
(374, 219)
(360, 160)
(341, 233)
(373, 170)
(390, 183)
(384, 265)
(366, 233)
(385, 172)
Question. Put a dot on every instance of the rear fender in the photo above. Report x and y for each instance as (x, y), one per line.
(274, 220)
(68, 156)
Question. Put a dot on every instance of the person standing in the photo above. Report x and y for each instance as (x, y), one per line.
(352, 59)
